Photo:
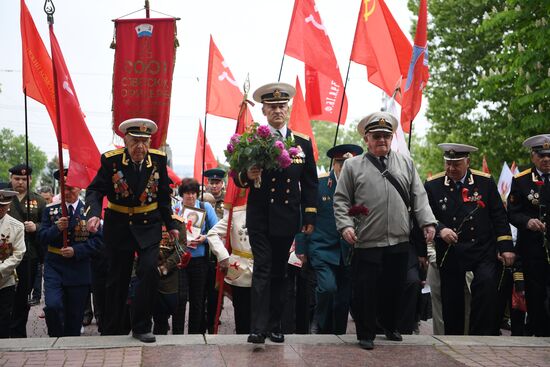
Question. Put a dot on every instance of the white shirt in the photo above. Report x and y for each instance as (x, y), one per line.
(283, 130)
(74, 205)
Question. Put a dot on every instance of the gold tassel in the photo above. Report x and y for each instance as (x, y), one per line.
(176, 42)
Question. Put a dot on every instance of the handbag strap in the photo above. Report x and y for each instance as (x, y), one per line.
(385, 173)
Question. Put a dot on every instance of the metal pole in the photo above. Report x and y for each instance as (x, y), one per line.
(147, 8)
(28, 203)
(340, 113)
(281, 68)
(203, 156)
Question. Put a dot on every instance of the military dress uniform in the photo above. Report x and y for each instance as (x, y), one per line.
(26, 270)
(482, 231)
(530, 198)
(275, 211)
(138, 204)
(12, 250)
(67, 280)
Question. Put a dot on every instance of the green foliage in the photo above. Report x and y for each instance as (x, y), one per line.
(47, 176)
(489, 79)
(12, 152)
(324, 136)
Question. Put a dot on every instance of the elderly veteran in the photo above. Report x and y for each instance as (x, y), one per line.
(529, 211)
(20, 178)
(387, 183)
(284, 204)
(236, 266)
(135, 181)
(12, 250)
(328, 253)
(472, 227)
(67, 269)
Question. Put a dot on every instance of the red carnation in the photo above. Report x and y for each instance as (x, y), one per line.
(481, 204)
(358, 210)
(465, 196)
(539, 183)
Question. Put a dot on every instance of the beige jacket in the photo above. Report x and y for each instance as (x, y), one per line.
(12, 249)
(388, 222)
(241, 262)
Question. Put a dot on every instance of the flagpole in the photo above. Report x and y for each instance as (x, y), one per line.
(49, 9)
(27, 156)
(410, 135)
(203, 156)
(281, 69)
(340, 113)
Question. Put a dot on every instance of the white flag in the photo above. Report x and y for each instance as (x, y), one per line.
(505, 181)
(398, 143)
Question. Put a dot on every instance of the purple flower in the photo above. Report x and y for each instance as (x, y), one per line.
(230, 148)
(279, 145)
(235, 138)
(284, 159)
(293, 151)
(263, 131)
(232, 173)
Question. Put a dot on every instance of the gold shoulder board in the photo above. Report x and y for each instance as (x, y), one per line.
(303, 136)
(178, 218)
(437, 175)
(523, 173)
(480, 173)
(322, 175)
(112, 153)
(156, 151)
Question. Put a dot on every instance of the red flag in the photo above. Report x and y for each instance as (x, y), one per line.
(485, 167)
(83, 153)
(173, 176)
(37, 65)
(381, 46)
(417, 78)
(209, 158)
(308, 41)
(299, 118)
(223, 96)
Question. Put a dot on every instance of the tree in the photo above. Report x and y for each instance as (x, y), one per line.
(489, 79)
(324, 136)
(47, 176)
(12, 152)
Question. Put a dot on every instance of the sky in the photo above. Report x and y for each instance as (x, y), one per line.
(250, 34)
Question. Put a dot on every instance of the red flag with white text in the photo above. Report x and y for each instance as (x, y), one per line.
(145, 55)
(37, 66)
(223, 96)
(84, 155)
(209, 158)
(381, 46)
(300, 120)
(308, 41)
(417, 77)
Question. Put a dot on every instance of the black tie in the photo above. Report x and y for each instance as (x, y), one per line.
(382, 162)
(71, 211)
(458, 185)
(137, 167)
(546, 178)
(279, 134)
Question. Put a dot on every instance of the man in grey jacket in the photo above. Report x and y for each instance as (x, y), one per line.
(380, 238)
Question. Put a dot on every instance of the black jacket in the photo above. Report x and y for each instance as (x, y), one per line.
(287, 198)
(123, 185)
(528, 200)
(485, 229)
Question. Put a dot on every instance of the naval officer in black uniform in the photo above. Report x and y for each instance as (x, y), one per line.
(529, 211)
(284, 204)
(472, 228)
(136, 184)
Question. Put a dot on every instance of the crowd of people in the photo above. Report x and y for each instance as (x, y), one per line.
(305, 250)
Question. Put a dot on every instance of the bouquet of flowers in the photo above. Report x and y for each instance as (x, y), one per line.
(257, 147)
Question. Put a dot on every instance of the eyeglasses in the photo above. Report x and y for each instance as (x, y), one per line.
(381, 136)
(543, 155)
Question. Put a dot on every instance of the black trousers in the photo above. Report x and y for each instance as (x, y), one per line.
(241, 308)
(537, 281)
(26, 272)
(270, 262)
(211, 295)
(377, 282)
(99, 281)
(408, 309)
(191, 287)
(7, 296)
(484, 287)
(116, 292)
(299, 299)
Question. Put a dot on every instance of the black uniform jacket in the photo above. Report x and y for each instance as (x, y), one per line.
(127, 187)
(528, 200)
(287, 197)
(475, 212)
(18, 210)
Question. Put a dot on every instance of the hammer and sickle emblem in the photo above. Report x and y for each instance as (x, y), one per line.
(368, 12)
(225, 75)
(315, 23)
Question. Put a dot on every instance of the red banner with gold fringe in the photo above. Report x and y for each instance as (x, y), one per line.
(145, 54)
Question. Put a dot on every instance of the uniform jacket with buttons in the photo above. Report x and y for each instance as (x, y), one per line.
(287, 197)
(124, 185)
(528, 200)
(12, 249)
(18, 210)
(325, 244)
(485, 229)
(72, 270)
(241, 255)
